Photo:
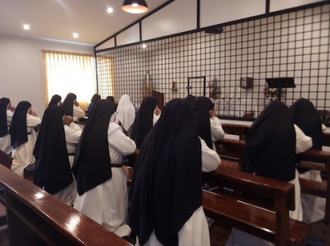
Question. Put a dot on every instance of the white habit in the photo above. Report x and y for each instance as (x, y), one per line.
(5, 143)
(107, 203)
(23, 154)
(217, 132)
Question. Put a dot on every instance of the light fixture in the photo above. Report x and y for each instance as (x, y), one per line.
(135, 6)
(75, 35)
(26, 27)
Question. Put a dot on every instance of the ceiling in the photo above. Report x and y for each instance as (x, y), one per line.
(58, 19)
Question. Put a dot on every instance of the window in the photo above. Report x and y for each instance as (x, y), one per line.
(106, 85)
(70, 72)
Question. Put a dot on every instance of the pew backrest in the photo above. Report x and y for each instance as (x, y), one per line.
(35, 217)
(257, 190)
(239, 130)
(257, 205)
(326, 138)
(231, 149)
(5, 159)
(242, 130)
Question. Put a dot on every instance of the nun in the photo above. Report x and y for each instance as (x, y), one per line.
(271, 146)
(23, 136)
(6, 114)
(208, 124)
(191, 100)
(71, 107)
(52, 170)
(125, 114)
(166, 191)
(146, 118)
(94, 99)
(101, 180)
(307, 119)
(55, 100)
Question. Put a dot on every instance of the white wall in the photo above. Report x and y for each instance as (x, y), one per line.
(21, 68)
(178, 16)
(222, 11)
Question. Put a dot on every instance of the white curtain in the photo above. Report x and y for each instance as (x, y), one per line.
(106, 82)
(70, 72)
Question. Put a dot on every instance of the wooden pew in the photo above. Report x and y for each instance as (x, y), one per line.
(235, 149)
(321, 189)
(38, 218)
(229, 148)
(240, 130)
(261, 206)
(326, 138)
(3, 215)
(236, 210)
(5, 159)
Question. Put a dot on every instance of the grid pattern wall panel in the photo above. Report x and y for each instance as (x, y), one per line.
(294, 44)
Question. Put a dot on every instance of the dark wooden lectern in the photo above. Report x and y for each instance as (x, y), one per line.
(158, 95)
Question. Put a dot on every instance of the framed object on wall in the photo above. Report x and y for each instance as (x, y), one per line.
(247, 82)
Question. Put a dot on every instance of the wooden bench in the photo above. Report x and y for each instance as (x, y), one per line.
(229, 148)
(235, 149)
(240, 130)
(326, 138)
(3, 215)
(5, 159)
(38, 218)
(228, 210)
(321, 159)
(257, 205)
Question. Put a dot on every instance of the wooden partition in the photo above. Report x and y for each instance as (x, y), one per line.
(38, 218)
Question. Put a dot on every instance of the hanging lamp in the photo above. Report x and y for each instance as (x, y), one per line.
(135, 6)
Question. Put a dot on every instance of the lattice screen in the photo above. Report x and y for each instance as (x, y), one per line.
(295, 44)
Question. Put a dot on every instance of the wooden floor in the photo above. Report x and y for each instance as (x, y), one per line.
(317, 236)
(220, 234)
